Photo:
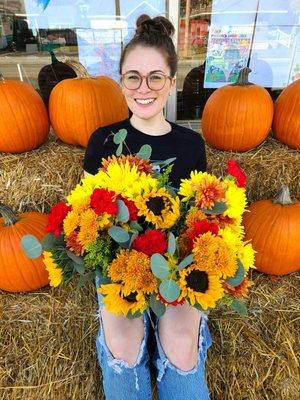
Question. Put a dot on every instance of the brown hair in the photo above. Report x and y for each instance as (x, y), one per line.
(153, 32)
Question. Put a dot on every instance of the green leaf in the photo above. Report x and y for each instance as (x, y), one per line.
(145, 152)
(169, 290)
(48, 241)
(218, 208)
(240, 307)
(79, 268)
(133, 237)
(31, 246)
(59, 240)
(135, 226)
(118, 234)
(186, 261)
(158, 308)
(119, 149)
(90, 276)
(171, 244)
(123, 212)
(133, 316)
(239, 276)
(159, 266)
(198, 306)
(169, 161)
(120, 136)
(76, 259)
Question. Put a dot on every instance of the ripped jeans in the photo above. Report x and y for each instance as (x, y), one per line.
(122, 381)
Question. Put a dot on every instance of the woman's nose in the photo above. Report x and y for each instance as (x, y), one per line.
(144, 87)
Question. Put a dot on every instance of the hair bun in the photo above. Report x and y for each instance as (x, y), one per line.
(158, 25)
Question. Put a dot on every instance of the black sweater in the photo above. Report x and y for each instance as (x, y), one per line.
(185, 144)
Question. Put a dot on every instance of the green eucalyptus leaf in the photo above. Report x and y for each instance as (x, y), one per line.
(198, 306)
(119, 149)
(76, 259)
(118, 234)
(59, 240)
(218, 208)
(135, 226)
(31, 246)
(133, 237)
(84, 279)
(186, 261)
(120, 136)
(158, 308)
(48, 241)
(239, 307)
(123, 212)
(145, 152)
(169, 290)
(171, 244)
(129, 315)
(239, 276)
(159, 266)
(79, 268)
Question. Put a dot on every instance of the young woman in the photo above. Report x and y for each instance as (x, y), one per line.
(147, 68)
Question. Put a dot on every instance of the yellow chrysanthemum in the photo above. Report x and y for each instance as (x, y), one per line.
(88, 232)
(159, 208)
(55, 273)
(132, 268)
(202, 287)
(125, 180)
(246, 254)
(187, 186)
(231, 237)
(119, 304)
(211, 253)
(236, 201)
(79, 198)
(71, 222)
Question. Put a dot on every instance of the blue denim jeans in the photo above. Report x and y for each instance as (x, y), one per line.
(122, 381)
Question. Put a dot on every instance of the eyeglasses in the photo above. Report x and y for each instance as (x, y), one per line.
(155, 80)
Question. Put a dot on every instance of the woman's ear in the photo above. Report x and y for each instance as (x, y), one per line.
(173, 81)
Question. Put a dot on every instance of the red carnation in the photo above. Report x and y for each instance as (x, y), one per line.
(173, 303)
(235, 170)
(152, 241)
(103, 200)
(56, 217)
(201, 227)
(131, 208)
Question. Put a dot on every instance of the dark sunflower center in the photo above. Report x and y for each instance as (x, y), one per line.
(198, 281)
(131, 298)
(156, 205)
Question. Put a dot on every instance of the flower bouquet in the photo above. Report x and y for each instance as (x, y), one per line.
(147, 246)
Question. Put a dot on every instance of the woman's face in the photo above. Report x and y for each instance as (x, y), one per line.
(146, 103)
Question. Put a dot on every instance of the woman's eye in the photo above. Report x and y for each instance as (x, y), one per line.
(156, 78)
(133, 77)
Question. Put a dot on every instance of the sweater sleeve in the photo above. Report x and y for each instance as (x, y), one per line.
(93, 154)
(201, 160)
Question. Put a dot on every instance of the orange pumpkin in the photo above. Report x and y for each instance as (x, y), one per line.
(274, 228)
(78, 106)
(17, 272)
(24, 122)
(286, 122)
(237, 117)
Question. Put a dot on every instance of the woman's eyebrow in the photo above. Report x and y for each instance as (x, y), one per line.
(151, 72)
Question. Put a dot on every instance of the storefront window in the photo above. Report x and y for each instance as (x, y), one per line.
(92, 32)
(219, 37)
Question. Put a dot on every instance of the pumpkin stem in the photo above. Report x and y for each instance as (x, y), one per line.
(53, 57)
(1, 76)
(243, 77)
(78, 68)
(9, 216)
(283, 196)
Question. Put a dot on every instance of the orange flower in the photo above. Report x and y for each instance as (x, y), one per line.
(142, 165)
(239, 291)
(209, 191)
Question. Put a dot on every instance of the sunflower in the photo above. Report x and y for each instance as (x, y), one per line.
(54, 271)
(159, 208)
(199, 286)
(119, 303)
(213, 254)
(142, 165)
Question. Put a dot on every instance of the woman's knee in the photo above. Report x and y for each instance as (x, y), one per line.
(124, 340)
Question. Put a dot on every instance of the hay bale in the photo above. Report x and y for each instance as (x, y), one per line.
(40, 178)
(48, 345)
